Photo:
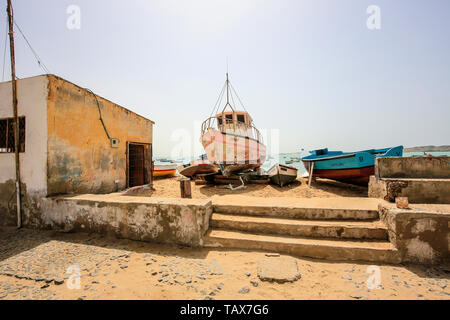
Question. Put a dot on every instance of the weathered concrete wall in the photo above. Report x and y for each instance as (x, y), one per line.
(421, 235)
(417, 190)
(32, 103)
(80, 157)
(421, 179)
(180, 221)
(413, 167)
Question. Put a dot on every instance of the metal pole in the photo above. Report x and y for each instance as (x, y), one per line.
(16, 118)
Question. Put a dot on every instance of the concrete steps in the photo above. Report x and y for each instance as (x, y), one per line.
(374, 251)
(302, 228)
(297, 212)
(324, 228)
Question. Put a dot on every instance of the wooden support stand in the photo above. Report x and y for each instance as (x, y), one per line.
(311, 169)
(185, 188)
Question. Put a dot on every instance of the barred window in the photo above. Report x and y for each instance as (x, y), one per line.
(7, 135)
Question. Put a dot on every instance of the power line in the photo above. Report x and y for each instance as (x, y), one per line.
(4, 52)
(39, 60)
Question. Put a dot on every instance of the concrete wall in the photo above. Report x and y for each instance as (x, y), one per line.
(32, 103)
(416, 190)
(180, 221)
(421, 235)
(421, 179)
(413, 167)
(80, 156)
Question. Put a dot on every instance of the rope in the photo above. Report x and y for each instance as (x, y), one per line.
(219, 99)
(240, 101)
(39, 60)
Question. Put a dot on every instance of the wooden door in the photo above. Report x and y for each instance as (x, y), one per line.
(136, 163)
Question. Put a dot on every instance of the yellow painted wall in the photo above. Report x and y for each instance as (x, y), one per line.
(80, 157)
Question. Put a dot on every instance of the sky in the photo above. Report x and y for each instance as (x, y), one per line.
(310, 73)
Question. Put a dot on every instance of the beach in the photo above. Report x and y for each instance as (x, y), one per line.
(321, 188)
(124, 269)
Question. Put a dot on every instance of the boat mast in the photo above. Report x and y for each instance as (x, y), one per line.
(16, 119)
(228, 91)
(228, 95)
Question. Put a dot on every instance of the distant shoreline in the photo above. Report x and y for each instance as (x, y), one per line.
(428, 149)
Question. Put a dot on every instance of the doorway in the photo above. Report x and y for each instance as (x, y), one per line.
(136, 165)
(139, 164)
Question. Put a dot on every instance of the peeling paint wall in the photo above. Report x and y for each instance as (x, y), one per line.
(80, 156)
(420, 236)
(32, 103)
(180, 221)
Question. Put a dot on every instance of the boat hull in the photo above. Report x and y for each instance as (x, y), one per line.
(164, 170)
(193, 170)
(355, 175)
(232, 151)
(282, 175)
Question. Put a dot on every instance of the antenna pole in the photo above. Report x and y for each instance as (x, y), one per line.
(228, 90)
(16, 118)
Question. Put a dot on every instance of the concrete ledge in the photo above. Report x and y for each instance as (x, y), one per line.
(179, 221)
(421, 234)
(299, 208)
(417, 190)
(413, 167)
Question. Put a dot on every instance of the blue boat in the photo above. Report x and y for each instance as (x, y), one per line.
(350, 167)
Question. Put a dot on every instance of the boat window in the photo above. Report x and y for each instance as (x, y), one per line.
(241, 118)
(229, 116)
(219, 120)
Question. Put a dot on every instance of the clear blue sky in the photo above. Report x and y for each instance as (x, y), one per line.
(311, 69)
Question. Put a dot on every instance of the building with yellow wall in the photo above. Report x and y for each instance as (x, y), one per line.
(71, 141)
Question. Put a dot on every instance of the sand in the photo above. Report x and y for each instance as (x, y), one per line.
(322, 188)
(152, 271)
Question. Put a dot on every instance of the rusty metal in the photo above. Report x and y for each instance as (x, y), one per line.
(16, 119)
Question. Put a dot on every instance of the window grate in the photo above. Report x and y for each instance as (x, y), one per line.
(7, 135)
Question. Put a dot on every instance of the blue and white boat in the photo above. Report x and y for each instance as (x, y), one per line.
(351, 167)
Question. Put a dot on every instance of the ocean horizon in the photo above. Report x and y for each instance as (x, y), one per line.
(290, 158)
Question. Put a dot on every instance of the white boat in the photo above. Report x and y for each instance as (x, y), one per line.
(162, 169)
(282, 175)
(230, 139)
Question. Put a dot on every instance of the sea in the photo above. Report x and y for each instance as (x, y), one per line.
(290, 159)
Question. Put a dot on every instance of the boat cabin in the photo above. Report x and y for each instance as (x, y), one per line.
(231, 117)
(237, 122)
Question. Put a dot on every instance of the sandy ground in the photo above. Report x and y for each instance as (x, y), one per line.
(124, 269)
(170, 188)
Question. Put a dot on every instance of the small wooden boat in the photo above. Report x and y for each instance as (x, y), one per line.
(230, 139)
(351, 167)
(197, 167)
(282, 175)
(162, 169)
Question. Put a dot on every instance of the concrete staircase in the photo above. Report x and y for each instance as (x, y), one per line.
(326, 229)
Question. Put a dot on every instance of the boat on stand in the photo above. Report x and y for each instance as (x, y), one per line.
(230, 139)
(350, 167)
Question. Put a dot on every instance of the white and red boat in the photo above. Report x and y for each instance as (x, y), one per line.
(230, 139)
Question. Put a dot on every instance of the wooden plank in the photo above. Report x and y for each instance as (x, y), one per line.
(311, 170)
